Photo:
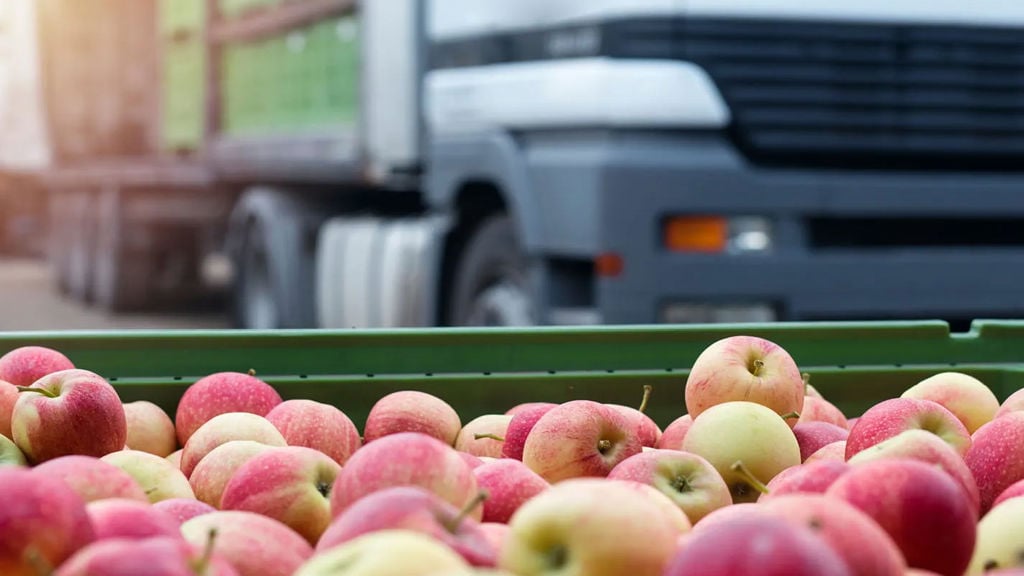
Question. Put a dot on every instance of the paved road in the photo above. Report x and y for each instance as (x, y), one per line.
(28, 301)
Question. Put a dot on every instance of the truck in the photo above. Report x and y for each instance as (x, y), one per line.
(394, 163)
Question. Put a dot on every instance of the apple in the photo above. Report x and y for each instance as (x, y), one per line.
(150, 429)
(484, 435)
(666, 506)
(590, 526)
(520, 426)
(508, 484)
(1013, 403)
(375, 553)
(175, 458)
(832, 451)
(405, 459)
(1000, 541)
(68, 412)
(821, 410)
(689, 480)
(745, 368)
(865, 547)
(158, 556)
(8, 396)
(160, 479)
(996, 457)
(747, 443)
(675, 432)
(813, 478)
(211, 475)
(928, 448)
(42, 522)
(810, 391)
(123, 518)
(92, 478)
(225, 428)
(318, 426)
(473, 461)
(526, 406)
(647, 429)
(965, 396)
(222, 393)
(412, 411)
(181, 510)
(756, 545)
(813, 436)
(290, 484)
(580, 438)
(924, 511)
(890, 417)
(1012, 491)
(10, 454)
(413, 508)
(496, 533)
(23, 366)
(253, 544)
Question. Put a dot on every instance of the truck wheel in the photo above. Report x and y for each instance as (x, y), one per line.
(81, 238)
(255, 304)
(491, 285)
(121, 279)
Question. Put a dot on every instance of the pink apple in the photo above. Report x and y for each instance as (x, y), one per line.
(222, 393)
(813, 478)
(120, 518)
(739, 510)
(756, 545)
(149, 428)
(528, 406)
(405, 459)
(225, 428)
(1013, 403)
(484, 435)
(833, 451)
(318, 426)
(213, 472)
(253, 544)
(1014, 490)
(675, 432)
(923, 510)
(291, 484)
(175, 458)
(160, 479)
(412, 411)
(749, 369)
(473, 461)
(890, 417)
(821, 410)
(8, 396)
(690, 481)
(181, 510)
(577, 439)
(68, 412)
(996, 457)
(92, 478)
(965, 396)
(496, 533)
(508, 484)
(813, 436)
(412, 508)
(42, 520)
(23, 366)
(647, 430)
(519, 428)
(160, 556)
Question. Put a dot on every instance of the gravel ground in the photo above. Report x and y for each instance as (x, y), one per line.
(28, 301)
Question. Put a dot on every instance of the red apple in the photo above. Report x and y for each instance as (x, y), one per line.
(813, 478)
(222, 393)
(412, 508)
(149, 428)
(92, 478)
(23, 366)
(8, 396)
(965, 396)
(68, 412)
(496, 533)
(996, 457)
(318, 426)
(675, 432)
(213, 472)
(647, 429)
(821, 410)
(484, 435)
(689, 480)
(405, 459)
(525, 406)
(508, 484)
(890, 417)
(473, 461)
(1014, 490)
(289, 484)
(42, 522)
(1013, 403)
(253, 544)
(225, 428)
(160, 479)
(749, 369)
(519, 428)
(181, 510)
(121, 518)
(833, 451)
(412, 411)
(923, 510)
(813, 436)
(159, 556)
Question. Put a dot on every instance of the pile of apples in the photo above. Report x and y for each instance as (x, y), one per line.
(761, 476)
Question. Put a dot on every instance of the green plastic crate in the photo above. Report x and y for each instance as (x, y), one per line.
(184, 78)
(483, 371)
(182, 17)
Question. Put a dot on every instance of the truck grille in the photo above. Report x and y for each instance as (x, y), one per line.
(867, 94)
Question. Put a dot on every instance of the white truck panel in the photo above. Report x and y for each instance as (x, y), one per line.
(24, 144)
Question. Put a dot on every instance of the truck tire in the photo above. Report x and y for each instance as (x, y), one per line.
(82, 223)
(121, 280)
(256, 305)
(491, 285)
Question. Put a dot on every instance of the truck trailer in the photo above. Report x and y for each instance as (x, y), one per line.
(394, 163)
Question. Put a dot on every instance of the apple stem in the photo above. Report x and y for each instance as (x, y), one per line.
(790, 415)
(488, 437)
(603, 446)
(42, 391)
(200, 565)
(647, 396)
(251, 372)
(756, 367)
(740, 468)
(807, 381)
(39, 564)
(453, 524)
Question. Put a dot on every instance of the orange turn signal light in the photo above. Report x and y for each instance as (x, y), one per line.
(609, 265)
(696, 234)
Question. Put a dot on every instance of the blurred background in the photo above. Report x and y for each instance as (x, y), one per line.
(391, 163)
